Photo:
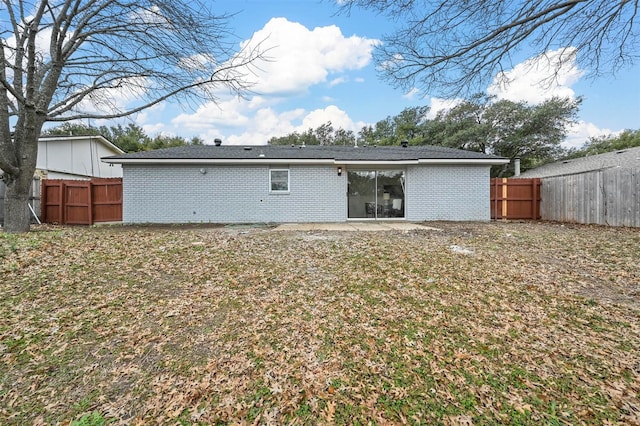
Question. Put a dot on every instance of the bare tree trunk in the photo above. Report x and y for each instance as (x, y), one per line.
(17, 217)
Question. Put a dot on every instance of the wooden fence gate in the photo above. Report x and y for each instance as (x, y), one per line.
(515, 198)
(81, 202)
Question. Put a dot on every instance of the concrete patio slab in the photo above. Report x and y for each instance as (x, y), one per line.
(354, 226)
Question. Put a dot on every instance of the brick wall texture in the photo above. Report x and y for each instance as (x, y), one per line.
(458, 193)
(240, 194)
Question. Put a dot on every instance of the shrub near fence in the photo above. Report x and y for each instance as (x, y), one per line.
(604, 197)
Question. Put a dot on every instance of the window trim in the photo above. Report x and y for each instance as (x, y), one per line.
(280, 191)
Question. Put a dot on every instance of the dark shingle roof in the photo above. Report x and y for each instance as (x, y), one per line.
(310, 152)
(625, 158)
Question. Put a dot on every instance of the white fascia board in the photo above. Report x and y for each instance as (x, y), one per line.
(222, 161)
(107, 143)
(375, 163)
(254, 161)
(478, 161)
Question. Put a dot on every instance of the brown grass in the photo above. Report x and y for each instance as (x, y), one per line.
(519, 323)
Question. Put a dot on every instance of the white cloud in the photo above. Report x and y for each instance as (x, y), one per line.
(299, 57)
(542, 77)
(155, 129)
(264, 124)
(411, 93)
(336, 81)
(581, 132)
(439, 104)
(268, 123)
(338, 118)
(539, 78)
(231, 113)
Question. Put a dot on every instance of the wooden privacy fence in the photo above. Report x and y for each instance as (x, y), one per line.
(81, 202)
(515, 198)
(605, 197)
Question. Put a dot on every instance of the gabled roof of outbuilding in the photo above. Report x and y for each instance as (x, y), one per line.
(253, 154)
(625, 158)
(101, 139)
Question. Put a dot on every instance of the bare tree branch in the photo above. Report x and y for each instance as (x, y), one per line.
(63, 60)
(455, 48)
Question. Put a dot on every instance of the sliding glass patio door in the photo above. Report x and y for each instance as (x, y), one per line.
(376, 194)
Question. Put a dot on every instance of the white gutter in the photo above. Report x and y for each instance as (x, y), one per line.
(376, 162)
(486, 161)
(214, 161)
(226, 161)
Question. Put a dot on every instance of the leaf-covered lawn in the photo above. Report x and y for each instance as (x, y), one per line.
(519, 323)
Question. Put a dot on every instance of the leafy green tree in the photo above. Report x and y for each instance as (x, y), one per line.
(461, 127)
(384, 132)
(366, 136)
(72, 129)
(196, 141)
(344, 137)
(130, 138)
(324, 134)
(602, 144)
(290, 139)
(532, 133)
(410, 124)
(309, 137)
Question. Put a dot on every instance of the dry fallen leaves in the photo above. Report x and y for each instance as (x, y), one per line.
(152, 325)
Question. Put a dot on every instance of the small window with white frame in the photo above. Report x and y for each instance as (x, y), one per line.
(279, 180)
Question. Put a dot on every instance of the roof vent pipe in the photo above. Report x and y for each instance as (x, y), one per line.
(516, 166)
(217, 141)
(404, 144)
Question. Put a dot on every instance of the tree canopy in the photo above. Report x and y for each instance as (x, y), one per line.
(64, 60)
(129, 138)
(602, 144)
(456, 46)
(510, 129)
(325, 134)
(532, 133)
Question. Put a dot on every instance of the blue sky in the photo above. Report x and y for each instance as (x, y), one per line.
(322, 70)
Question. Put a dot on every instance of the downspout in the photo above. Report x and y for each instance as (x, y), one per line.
(516, 167)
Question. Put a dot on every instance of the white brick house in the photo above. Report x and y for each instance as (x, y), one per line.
(264, 183)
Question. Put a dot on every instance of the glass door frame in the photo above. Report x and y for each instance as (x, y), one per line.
(385, 202)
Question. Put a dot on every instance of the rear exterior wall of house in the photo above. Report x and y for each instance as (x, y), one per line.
(241, 194)
(448, 192)
(231, 194)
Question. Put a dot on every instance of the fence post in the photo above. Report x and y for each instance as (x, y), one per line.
(505, 211)
(43, 201)
(63, 201)
(90, 196)
(536, 194)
